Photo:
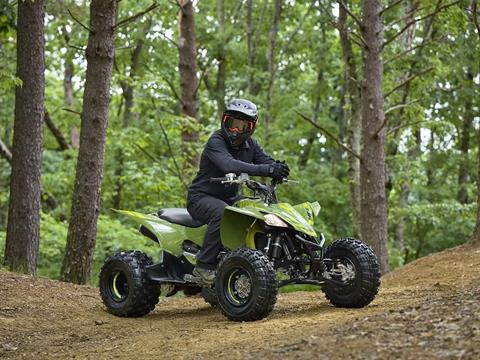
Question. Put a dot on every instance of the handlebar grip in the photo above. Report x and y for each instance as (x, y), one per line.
(219, 179)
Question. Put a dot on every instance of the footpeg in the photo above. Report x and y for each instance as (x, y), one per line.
(189, 278)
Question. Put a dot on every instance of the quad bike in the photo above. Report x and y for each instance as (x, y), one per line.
(266, 244)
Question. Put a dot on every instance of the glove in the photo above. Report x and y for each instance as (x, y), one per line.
(278, 170)
(283, 162)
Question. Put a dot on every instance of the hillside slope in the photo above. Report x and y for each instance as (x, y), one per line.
(427, 309)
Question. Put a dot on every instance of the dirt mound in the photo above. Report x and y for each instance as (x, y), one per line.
(427, 309)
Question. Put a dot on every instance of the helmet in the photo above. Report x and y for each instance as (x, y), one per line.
(239, 120)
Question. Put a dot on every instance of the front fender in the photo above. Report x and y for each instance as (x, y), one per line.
(238, 227)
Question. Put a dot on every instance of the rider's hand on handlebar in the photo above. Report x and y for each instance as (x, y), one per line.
(278, 170)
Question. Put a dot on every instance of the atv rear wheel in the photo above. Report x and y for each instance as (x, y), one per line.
(124, 286)
(355, 265)
(246, 285)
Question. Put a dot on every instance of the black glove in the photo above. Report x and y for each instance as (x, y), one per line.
(283, 162)
(278, 170)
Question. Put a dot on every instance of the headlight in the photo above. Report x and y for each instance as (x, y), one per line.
(274, 220)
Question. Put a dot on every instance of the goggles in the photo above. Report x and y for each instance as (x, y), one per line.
(238, 125)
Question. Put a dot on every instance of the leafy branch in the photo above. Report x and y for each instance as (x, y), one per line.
(329, 134)
(135, 17)
(406, 81)
(410, 23)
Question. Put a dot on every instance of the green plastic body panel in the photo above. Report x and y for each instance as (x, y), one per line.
(238, 227)
(238, 222)
(170, 236)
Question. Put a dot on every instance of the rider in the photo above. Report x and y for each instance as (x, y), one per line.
(229, 150)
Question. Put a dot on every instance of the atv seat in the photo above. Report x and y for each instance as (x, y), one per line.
(178, 216)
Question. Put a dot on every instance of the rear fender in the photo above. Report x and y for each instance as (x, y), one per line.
(170, 236)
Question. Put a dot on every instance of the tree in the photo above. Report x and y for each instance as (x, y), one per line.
(354, 117)
(96, 98)
(373, 197)
(476, 234)
(23, 230)
(188, 73)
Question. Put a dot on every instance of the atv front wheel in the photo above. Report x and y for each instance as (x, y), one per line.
(245, 285)
(124, 286)
(354, 272)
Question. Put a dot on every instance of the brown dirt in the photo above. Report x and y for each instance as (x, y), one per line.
(428, 309)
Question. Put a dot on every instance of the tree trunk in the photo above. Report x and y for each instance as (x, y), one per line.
(252, 41)
(372, 167)
(188, 75)
(23, 228)
(302, 162)
(272, 66)
(476, 233)
(86, 197)
(221, 58)
(407, 43)
(353, 112)
(463, 171)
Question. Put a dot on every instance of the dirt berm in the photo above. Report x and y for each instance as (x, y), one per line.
(429, 309)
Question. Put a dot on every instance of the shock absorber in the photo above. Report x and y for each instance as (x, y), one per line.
(276, 247)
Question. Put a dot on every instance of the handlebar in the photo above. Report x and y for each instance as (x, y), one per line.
(243, 178)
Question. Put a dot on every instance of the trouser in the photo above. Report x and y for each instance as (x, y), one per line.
(208, 210)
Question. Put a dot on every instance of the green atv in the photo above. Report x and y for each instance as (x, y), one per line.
(267, 245)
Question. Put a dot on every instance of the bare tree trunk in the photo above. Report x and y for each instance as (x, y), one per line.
(188, 75)
(221, 58)
(67, 83)
(372, 168)
(252, 41)
(23, 228)
(96, 98)
(407, 43)
(476, 233)
(353, 112)
(463, 177)
(68, 93)
(272, 66)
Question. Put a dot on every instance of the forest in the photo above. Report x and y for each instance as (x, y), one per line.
(372, 250)
(108, 104)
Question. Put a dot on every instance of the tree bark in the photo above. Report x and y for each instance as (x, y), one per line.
(188, 75)
(252, 41)
(407, 43)
(463, 171)
(272, 66)
(221, 58)
(372, 168)
(353, 112)
(86, 198)
(23, 228)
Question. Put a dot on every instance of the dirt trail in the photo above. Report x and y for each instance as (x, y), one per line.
(427, 309)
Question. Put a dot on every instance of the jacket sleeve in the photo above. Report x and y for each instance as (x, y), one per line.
(259, 155)
(217, 152)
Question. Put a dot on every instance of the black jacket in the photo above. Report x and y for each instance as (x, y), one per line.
(220, 158)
